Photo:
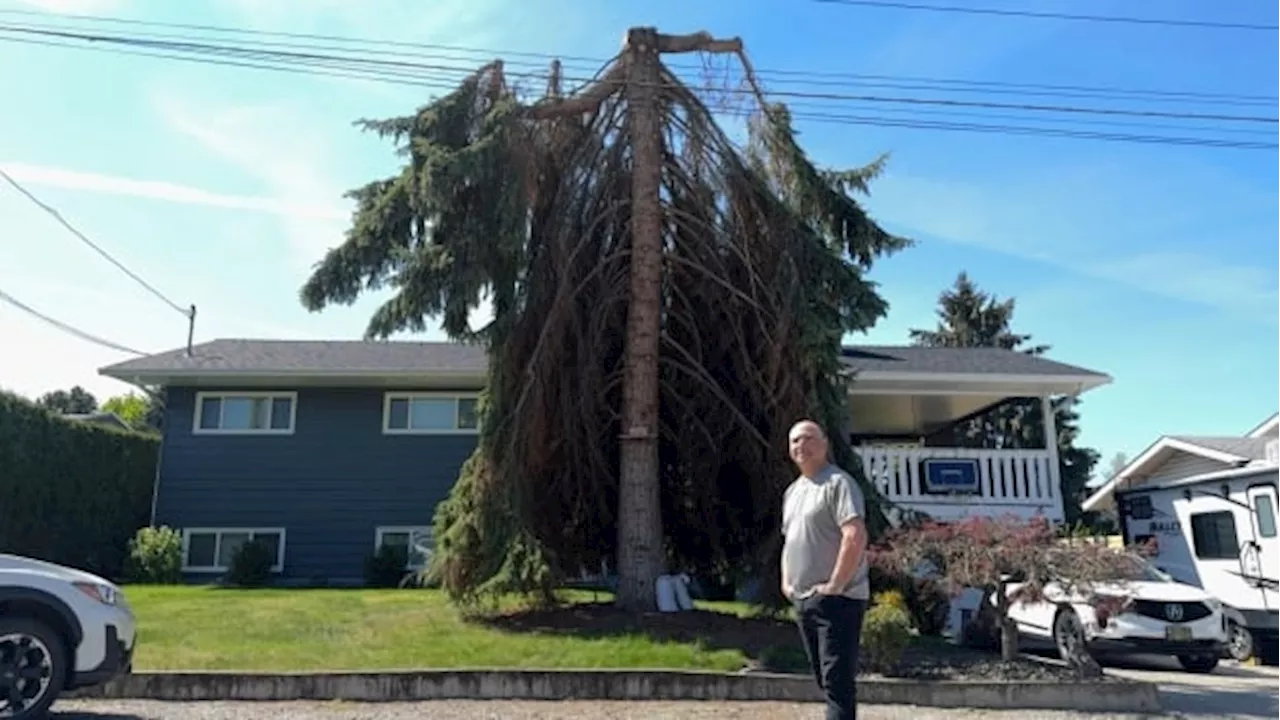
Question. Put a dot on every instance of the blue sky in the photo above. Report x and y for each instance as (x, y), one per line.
(1156, 264)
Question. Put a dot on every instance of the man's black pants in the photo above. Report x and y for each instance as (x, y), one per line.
(831, 627)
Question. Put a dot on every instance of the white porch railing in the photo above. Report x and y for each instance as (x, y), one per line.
(1021, 482)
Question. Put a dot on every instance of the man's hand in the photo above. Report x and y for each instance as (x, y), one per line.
(828, 589)
(787, 591)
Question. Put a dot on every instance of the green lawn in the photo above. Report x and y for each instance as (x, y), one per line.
(205, 628)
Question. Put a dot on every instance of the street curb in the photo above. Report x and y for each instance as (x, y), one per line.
(481, 684)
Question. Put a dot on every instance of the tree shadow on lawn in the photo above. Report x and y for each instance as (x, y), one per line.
(771, 644)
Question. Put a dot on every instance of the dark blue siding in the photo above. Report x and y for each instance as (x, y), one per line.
(329, 484)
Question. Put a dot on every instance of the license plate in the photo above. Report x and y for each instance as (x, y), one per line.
(1177, 633)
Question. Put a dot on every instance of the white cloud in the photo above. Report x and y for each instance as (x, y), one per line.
(42, 175)
(293, 166)
(1199, 277)
(1075, 223)
(278, 148)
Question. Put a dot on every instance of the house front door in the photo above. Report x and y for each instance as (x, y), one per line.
(1265, 509)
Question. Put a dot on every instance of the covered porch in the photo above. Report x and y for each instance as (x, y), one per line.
(907, 406)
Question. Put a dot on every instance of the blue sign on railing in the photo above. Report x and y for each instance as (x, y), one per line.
(951, 475)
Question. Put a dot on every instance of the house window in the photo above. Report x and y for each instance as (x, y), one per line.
(1266, 516)
(429, 413)
(246, 412)
(1214, 535)
(417, 540)
(211, 549)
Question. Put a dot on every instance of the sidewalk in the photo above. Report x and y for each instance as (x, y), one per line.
(500, 710)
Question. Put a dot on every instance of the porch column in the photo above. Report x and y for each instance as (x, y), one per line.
(1051, 447)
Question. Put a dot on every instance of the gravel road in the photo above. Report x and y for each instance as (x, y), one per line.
(512, 710)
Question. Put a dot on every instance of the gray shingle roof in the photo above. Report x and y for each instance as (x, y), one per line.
(1248, 448)
(317, 356)
(915, 359)
(323, 357)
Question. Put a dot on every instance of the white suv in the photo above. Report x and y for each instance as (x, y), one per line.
(60, 629)
(1154, 614)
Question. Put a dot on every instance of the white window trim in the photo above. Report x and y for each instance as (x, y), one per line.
(219, 531)
(386, 412)
(381, 530)
(200, 398)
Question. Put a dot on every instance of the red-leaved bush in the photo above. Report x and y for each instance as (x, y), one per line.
(992, 553)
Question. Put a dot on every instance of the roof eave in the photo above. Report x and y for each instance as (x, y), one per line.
(994, 384)
(1150, 456)
(864, 382)
(1266, 427)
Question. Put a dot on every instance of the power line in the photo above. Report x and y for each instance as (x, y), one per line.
(65, 327)
(401, 78)
(1023, 130)
(387, 67)
(430, 76)
(58, 216)
(378, 46)
(890, 4)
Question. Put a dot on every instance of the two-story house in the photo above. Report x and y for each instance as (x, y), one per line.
(326, 449)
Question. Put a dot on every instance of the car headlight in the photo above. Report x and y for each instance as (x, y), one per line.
(104, 594)
(1213, 604)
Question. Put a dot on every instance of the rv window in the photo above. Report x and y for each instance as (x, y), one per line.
(1214, 535)
(1266, 516)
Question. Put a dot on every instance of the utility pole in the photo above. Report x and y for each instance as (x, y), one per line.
(640, 536)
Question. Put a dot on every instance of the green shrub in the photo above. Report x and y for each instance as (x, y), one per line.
(926, 601)
(72, 493)
(890, 598)
(386, 566)
(155, 556)
(788, 658)
(886, 633)
(251, 564)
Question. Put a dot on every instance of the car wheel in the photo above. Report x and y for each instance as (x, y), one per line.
(1068, 636)
(1239, 642)
(1198, 663)
(33, 666)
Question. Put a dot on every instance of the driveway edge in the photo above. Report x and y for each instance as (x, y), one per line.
(417, 685)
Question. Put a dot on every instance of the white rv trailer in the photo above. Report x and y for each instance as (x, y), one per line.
(1217, 531)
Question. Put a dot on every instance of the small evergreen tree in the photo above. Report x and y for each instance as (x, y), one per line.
(971, 317)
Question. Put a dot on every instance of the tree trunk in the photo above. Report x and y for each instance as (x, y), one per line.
(1008, 629)
(1008, 640)
(640, 547)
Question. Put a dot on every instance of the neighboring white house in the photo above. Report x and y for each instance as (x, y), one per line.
(1174, 457)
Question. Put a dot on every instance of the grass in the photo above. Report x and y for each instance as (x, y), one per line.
(207, 628)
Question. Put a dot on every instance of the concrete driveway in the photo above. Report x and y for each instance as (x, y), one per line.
(1230, 691)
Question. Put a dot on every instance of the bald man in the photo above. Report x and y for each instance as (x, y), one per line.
(824, 565)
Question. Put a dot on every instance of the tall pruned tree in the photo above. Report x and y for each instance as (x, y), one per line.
(623, 241)
(971, 317)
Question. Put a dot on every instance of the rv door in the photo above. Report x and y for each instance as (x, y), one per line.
(1258, 559)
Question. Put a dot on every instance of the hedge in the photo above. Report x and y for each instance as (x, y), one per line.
(71, 492)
